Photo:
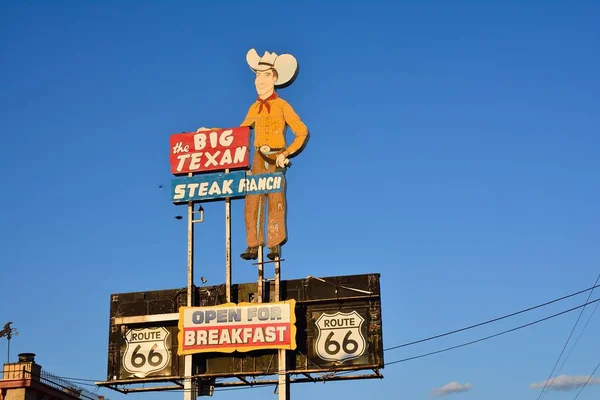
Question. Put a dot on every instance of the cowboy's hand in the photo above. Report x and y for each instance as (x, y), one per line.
(281, 161)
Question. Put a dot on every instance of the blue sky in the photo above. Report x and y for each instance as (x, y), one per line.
(454, 149)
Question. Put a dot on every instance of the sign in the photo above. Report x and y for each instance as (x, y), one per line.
(221, 185)
(214, 150)
(237, 327)
(340, 336)
(147, 351)
(271, 116)
(314, 299)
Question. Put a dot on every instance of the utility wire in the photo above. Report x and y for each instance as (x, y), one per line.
(579, 337)
(457, 346)
(492, 336)
(448, 333)
(77, 379)
(493, 320)
(586, 382)
(566, 344)
(454, 347)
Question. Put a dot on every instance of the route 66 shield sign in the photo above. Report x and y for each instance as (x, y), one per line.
(147, 351)
(340, 336)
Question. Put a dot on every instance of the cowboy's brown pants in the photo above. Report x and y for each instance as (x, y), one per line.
(255, 211)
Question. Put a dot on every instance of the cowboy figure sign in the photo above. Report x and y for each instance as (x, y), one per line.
(270, 116)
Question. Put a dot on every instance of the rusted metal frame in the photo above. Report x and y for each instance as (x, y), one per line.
(338, 299)
(308, 360)
(245, 382)
(340, 286)
(310, 377)
(270, 362)
(342, 378)
(376, 371)
(290, 372)
(241, 378)
(175, 316)
(117, 389)
(141, 319)
(129, 381)
(327, 375)
(302, 380)
(268, 262)
(150, 389)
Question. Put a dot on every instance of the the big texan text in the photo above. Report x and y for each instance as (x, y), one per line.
(209, 151)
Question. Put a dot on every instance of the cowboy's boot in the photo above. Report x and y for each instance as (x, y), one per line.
(274, 252)
(251, 253)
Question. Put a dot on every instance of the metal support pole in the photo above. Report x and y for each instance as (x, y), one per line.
(261, 280)
(190, 255)
(188, 385)
(277, 280)
(283, 386)
(228, 247)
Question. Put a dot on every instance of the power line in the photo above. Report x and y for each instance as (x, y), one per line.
(448, 348)
(579, 337)
(492, 336)
(53, 384)
(77, 379)
(493, 320)
(487, 337)
(586, 382)
(566, 344)
(426, 354)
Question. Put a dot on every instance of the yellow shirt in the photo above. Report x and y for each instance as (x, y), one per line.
(270, 125)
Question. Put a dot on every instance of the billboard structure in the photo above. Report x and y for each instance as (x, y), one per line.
(271, 331)
(337, 322)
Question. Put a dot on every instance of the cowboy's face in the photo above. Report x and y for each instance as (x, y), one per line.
(265, 81)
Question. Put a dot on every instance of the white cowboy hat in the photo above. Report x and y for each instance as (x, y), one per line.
(285, 65)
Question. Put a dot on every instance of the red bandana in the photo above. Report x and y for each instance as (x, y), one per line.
(265, 102)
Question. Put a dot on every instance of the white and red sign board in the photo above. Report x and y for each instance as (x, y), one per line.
(237, 327)
(214, 150)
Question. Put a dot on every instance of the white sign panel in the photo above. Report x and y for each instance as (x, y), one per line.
(340, 336)
(237, 327)
(146, 351)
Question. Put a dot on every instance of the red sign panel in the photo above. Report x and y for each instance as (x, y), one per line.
(214, 150)
(237, 327)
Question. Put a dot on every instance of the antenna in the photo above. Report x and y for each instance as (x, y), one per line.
(8, 332)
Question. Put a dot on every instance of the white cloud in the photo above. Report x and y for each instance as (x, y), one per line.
(565, 382)
(452, 387)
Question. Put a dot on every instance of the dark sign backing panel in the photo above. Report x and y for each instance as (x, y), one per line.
(338, 328)
(133, 362)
